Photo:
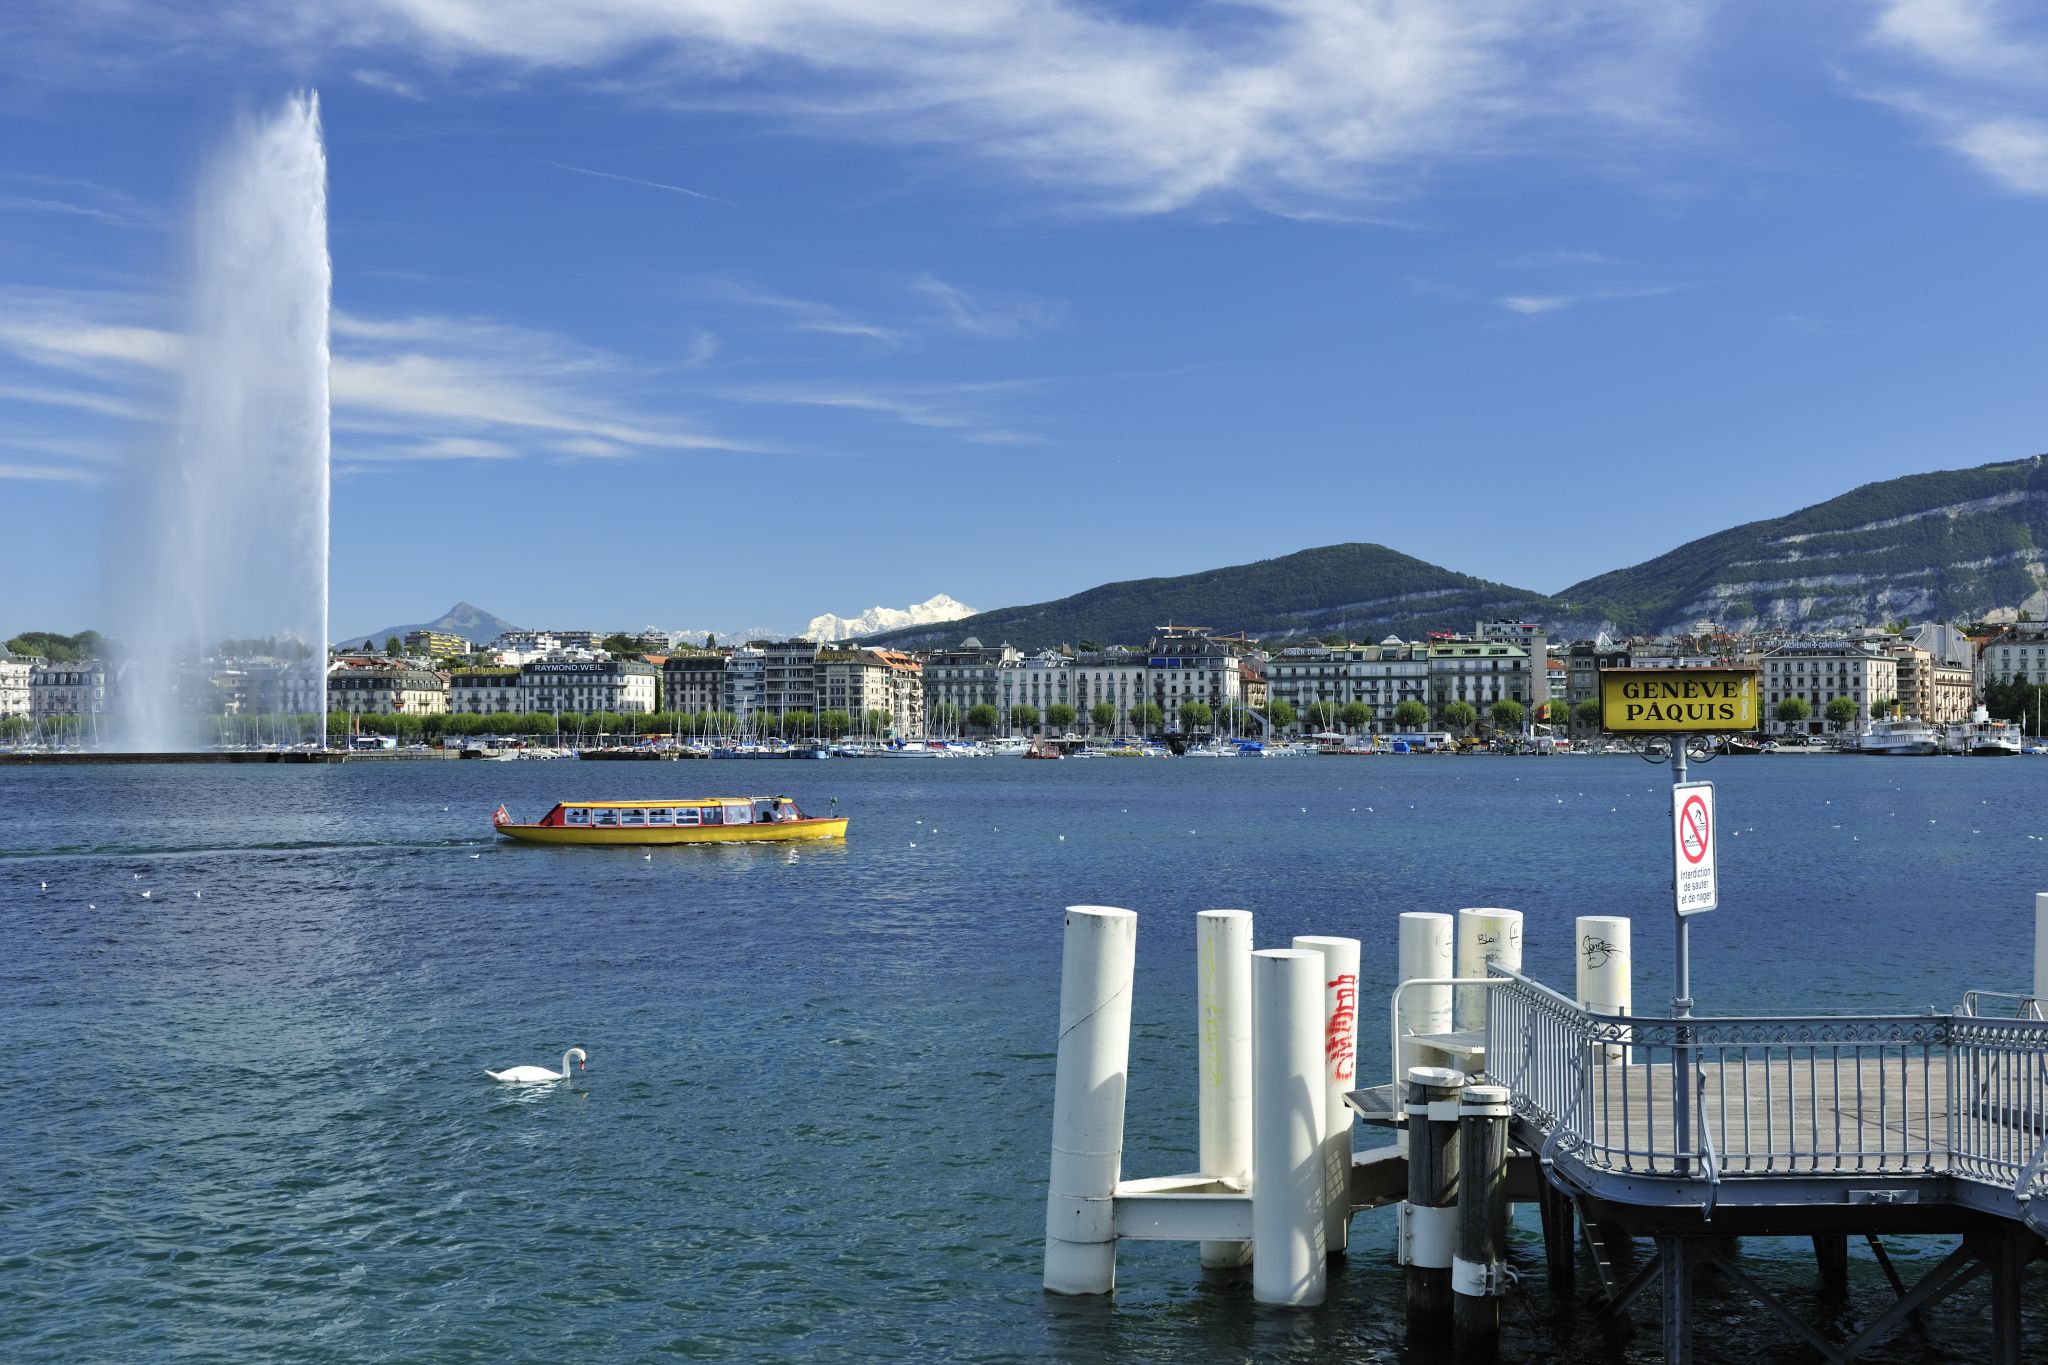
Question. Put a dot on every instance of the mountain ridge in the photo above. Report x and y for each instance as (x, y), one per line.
(471, 622)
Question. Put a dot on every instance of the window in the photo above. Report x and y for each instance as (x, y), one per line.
(661, 815)
(711, 815)
(632, 817)
(607, 817)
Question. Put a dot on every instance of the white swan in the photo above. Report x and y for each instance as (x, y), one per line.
(538, 1075)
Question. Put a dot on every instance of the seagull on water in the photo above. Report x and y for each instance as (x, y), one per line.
(45, 886)
(476, 855)
(145, 895)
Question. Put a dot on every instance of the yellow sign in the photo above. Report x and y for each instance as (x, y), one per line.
(1678, 700)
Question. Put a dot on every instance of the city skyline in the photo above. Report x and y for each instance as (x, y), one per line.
(1007, 303)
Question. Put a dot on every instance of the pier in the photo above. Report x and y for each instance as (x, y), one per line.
(1684, 1133)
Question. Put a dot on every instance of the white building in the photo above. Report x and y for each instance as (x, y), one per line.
(743, 668)
(1114, 677)
(14, 673)
(1184, 664)
(1039, 681)
(1379, 677)
(1479, 673)
(1529, 635)
(385, 688)
(555, 686)
(2020, 655)
(1819, 671)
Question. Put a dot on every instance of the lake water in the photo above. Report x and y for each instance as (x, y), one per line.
(247, 1116)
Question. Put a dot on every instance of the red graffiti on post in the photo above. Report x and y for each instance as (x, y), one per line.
(1343, 1025)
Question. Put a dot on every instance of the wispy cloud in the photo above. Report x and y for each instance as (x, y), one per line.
(44, 473)
(636, 180)
(1535, 305)
(949, 409)
(1974, 75)
(988, 315)
(802, 315)
(69, 196)
(386, 82)
(1300, 107)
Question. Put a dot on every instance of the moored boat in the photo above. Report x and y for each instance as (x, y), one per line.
(688, 820)
(1903, 736)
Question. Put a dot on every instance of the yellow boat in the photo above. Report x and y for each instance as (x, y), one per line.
(690, 820)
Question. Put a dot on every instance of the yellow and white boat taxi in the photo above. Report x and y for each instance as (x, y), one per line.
(692, 820)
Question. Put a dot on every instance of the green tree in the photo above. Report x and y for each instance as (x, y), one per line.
(1336, 639)
(1024, 716)
(710, 641)
(878, 722)
(1588, 712)
(1148, 716)
(834, 723)
(1322, 714)
(945, 717)
(391, 646)
(1196, 715)
(799, 723)
(1792, 711)
(369, 647)
(1280, 713)
(1842, 712)
(1460, 716)
(1060, 716)
(1102, 716)
(982, 717)
(1508, 715)
(1354, 715)
(622, 646)
(1411, 715)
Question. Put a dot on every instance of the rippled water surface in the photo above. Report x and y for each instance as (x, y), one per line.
(247, 1116)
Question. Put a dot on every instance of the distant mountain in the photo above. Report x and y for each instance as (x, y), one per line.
(1364, 591)
(1956, 545)
(931, 611)
(472, 623)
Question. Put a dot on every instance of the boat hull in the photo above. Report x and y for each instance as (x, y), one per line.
(778, 832)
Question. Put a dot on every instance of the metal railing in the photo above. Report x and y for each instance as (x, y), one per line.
(1712, 1099)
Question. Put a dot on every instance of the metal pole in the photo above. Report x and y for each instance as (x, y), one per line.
(1681, 999)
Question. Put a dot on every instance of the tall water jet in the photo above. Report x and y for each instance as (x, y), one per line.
(228, 540)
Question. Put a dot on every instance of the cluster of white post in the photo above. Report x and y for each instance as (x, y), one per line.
(1278, 1034)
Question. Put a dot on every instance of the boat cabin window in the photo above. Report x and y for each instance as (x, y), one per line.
(661, 815)
(739, 812)
(714, 815)
(607, 817)
(686, 815)
(632, 817)
(575, 816)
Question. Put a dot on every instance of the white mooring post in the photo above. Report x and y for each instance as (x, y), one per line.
(1288, 1257)
(1604, 972)
(1223, 995)
(2041, 949)
(1426, 943)
(1096, 966)
(1340, 1074)
(1484, 935)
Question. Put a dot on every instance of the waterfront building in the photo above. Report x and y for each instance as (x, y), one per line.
(1584, 660)
(743, 685)
(1251, 682)
(1478, 672)
(1036, 680)
(435, 644)
(280, 687)
(1818, 671)
(553, 686)
(1530, 636)
(789, 676)
(14, 675)
(1937, 692)
(858, 681)
(485, 691)
(1115, 675)
(2019, 654)
(1380, 677)
(693, 680)
(77, 688)
(964, 676)
(364, 687)
(1185, 664)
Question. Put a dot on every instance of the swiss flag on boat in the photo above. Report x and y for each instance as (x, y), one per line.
(501, 817)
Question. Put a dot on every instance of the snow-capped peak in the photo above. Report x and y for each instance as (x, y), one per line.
(877, 619)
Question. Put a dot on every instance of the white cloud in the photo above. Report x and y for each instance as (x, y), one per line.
(948, 409)
(386, 82)
(1976, 79)
(803, 315)
(636, 180)
(1294, 106)
(40, 473)
(1534, 305)
(72, 197)
(987, 315)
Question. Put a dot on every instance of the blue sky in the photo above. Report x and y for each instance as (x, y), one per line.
(723, 313)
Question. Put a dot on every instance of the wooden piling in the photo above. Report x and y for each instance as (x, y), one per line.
(1430, 1238)
(1476, 1273)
